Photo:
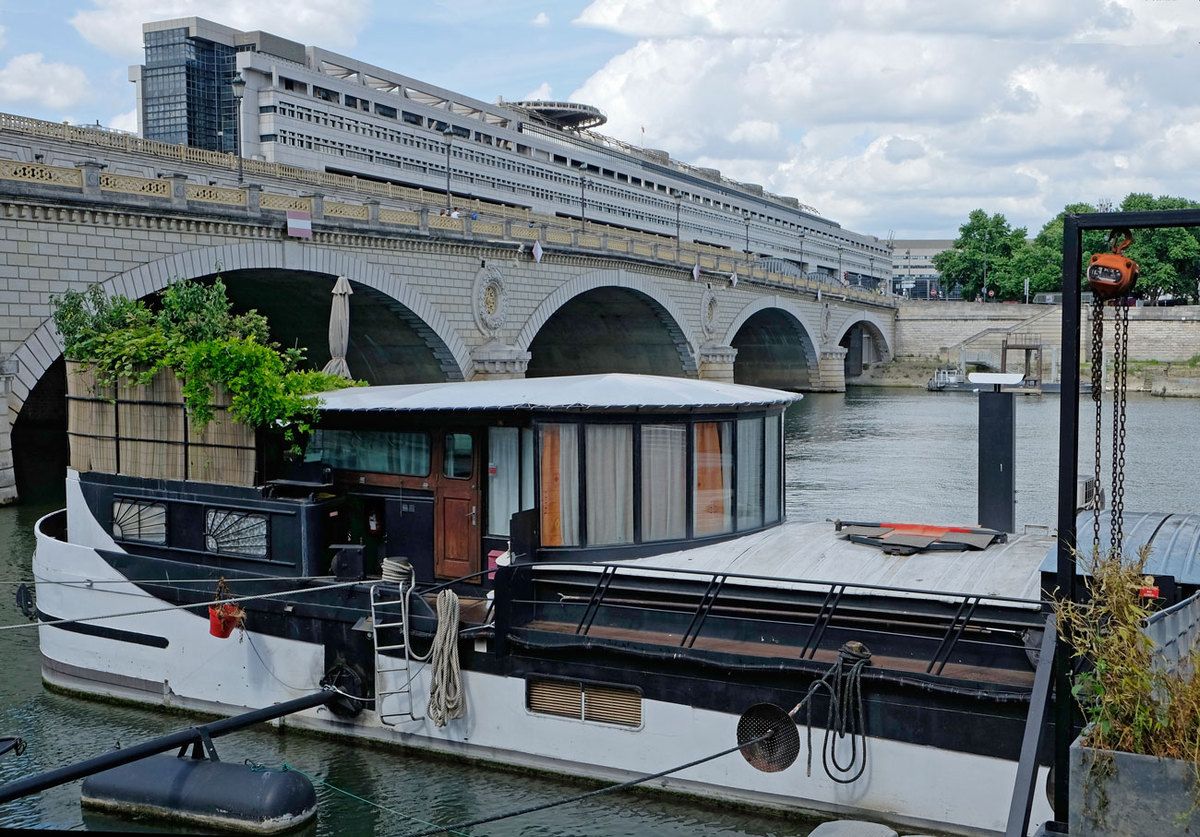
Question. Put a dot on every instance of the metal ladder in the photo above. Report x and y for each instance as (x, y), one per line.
(389, 616)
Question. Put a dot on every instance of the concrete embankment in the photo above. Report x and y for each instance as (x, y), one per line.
(1164, 342)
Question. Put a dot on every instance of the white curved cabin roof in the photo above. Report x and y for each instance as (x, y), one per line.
(611, 391)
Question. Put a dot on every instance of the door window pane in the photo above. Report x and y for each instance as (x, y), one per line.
(457, 462)
(664, 481)
(558, 477)
(713, 481)
(609, 452)
(526, 468)
(773, 446)
(749, 473)
(503, 478)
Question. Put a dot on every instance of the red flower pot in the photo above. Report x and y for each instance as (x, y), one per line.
(223, 619)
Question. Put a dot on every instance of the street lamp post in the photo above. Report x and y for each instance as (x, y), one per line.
(238, 86)
(449, 135)
(802, 273)
(678, 204)
(746, 221)
(841, 277)
(582, 203)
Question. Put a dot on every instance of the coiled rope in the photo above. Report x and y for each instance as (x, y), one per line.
(447, 700)
(846, 714)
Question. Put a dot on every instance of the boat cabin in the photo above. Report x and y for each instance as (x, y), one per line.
(581, 468)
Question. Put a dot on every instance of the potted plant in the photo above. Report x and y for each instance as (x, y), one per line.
(1135, 769)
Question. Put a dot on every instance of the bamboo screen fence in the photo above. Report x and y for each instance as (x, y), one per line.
(144, 431)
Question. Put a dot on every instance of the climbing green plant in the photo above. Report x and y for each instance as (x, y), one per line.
(194, 332)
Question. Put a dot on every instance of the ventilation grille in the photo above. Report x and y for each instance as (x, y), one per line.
(582, 701)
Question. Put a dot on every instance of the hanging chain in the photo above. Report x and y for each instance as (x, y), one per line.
(1120, 379)
(1097, 397)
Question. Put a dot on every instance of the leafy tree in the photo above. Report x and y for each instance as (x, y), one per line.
(1168, 258)
(983, 252)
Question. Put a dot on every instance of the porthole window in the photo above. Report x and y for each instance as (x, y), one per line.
(235, 532)
(138, 521)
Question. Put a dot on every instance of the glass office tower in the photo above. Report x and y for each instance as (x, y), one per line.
(186, 97)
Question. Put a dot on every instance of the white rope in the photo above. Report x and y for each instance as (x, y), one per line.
(214, 603)
(447, 700)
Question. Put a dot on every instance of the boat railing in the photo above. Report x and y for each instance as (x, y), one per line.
(687, 601)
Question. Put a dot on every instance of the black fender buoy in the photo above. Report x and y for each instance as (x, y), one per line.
(216, 794)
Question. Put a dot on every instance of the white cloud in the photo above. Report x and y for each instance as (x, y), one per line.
(3, 37)
(541, 19)
(542, 91)
(30, 78)
(124, 121)
(891, 114)
(115, 26)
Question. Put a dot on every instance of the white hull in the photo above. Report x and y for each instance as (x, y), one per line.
(907, 784)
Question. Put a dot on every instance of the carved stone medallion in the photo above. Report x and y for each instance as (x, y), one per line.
(491, 300)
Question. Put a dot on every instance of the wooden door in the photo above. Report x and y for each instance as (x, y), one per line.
(457, 508)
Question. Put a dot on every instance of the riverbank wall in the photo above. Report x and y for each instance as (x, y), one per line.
(1164, 342)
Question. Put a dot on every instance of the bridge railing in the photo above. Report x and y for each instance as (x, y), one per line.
(419, 211)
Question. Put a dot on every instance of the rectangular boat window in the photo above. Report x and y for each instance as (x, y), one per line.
(526, 468)
(135, 521)
(664, 481)
(235, 532)
(503, 479)
(368, 450)
(749, 473)
(773, 447)
(457, 461)
(609, 452)
(558, 481)
(713, 480)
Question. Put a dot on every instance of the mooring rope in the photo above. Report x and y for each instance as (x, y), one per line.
(845, 697)
(447, 700)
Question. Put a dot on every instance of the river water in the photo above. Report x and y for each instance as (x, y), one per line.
(868, 454)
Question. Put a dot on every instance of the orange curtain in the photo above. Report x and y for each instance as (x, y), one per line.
(551, 486)
(710, 485)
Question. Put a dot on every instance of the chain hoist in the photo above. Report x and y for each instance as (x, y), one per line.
(1111, 277)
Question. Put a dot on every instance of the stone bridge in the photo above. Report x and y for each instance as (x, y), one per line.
(435, 298)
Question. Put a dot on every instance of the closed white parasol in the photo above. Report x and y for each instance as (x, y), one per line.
(339, 328)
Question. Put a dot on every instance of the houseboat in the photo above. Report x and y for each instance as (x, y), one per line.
(628, 596)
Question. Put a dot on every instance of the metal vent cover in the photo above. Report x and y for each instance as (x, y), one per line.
(610, 705)
(554, 697)
(584, 701)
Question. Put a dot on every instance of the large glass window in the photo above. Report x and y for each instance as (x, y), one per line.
(749, 473)
(773, 448)
(664, 481)
(504, 478)
(559, 483)
(458, 456)
(713, 480)
(609, 452)
(235, 532)
(369, 450)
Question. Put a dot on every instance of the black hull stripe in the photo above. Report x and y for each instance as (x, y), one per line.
(88, 629)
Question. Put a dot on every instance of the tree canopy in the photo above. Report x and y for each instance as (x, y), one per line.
(1169, 258)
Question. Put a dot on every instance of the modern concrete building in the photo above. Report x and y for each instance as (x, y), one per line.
(913, 273)
(308, 107)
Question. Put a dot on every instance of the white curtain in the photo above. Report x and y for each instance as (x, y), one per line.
(504, 478)
(773, 447)
(526, 468)
(713, 482)
(749, 473)
(559, 484)
(664, 481)
(609, 452)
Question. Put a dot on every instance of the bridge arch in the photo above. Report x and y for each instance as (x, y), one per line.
(44, 345)
(865, 339)
(597, 301)
(775, 346)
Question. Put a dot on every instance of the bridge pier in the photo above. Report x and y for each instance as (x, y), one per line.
(830, 374)
(8, 478)
(716, 363)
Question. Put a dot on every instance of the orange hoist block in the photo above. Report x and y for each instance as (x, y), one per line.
(1112, 275)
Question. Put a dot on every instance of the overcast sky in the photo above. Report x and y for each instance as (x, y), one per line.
(887, 115)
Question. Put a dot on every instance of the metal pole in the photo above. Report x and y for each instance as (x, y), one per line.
(449, 135)
(678, 204)
(802, 273)
(115, 758)
(582, 203)
(237, 131)
(746, 221)
(1068, 468)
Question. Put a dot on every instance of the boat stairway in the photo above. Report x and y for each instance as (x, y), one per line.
(394, 656)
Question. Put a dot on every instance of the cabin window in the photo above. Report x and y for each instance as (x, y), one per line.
(712, 483)
(609, 483)
(377, 451)
(526, 468)
(773, 450)
(750, 473)
(559, 481)
(504, 478)
(664, 481)
(459, 455)
(134, 521)
(235, 532)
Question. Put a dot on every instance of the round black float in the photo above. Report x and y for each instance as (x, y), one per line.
(216, 794)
